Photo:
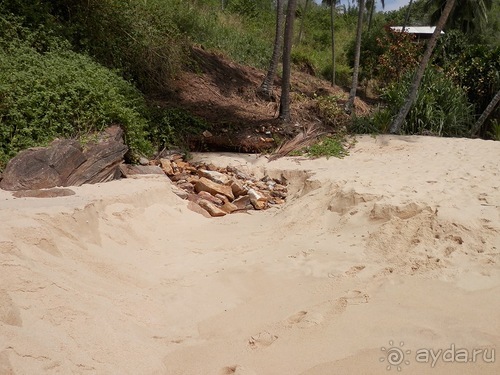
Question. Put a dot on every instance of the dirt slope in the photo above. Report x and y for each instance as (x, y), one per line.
(224, 93)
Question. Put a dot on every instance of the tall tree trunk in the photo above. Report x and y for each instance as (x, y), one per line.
(372, 10)
(287, 52)
(266, 88)
(407, 18)
(486, 113)
(332, 18)
(302, 19)
(355, 72)
(403, 112)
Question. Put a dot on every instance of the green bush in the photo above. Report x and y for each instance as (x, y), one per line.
(441, 107)
(62, 94)
(376, 123)
(173, 126)
(330, 111)
(327, 146)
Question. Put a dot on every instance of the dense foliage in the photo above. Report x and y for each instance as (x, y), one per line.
(69, 68)
(441, 107)
(48, 91)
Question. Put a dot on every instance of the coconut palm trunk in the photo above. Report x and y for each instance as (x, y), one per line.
(287, 52)
(302, 19)
(407, 17)
(332, 19)
(486, 113)
(371, 4)
(266, 88)
(403, 112)
(355, 72)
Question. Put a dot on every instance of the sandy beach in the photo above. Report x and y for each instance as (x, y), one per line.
(387, 260)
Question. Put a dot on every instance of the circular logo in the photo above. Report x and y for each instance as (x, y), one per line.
(395, 356)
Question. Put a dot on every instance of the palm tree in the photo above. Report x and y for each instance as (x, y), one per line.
(370, 6)
(468, 15)
(357, 53)
(332, 24)
(266, 88)
(287, 51)
(486, 113)
(302, 18)
(403, 112)
(407, 18)
(333, 7)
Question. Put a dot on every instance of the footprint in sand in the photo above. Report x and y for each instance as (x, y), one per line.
(262, 340)
(305, 319)
(9, 312)
(236, 370)
(354, 270)
(356, 297)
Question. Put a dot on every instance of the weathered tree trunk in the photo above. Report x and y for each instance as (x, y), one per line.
(486, 113)
(302, 18)
(355, 72)
(287, 51)
(266, 88)
(332, 19)
(403, 112)
(407, 18)
(372, 10)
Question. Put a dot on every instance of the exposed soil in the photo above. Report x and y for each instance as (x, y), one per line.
(224, 93)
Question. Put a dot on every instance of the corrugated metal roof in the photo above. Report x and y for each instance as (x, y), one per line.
(416, 29)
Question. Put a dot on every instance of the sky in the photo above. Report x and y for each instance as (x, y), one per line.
(389, 4)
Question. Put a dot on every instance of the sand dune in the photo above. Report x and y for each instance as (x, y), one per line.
(374, 262)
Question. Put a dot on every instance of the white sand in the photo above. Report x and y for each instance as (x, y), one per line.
(399, 241)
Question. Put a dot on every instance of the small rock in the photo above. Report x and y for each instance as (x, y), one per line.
(243, 203)
(237, 188)
(215, 176)
(209, 197)
(260, 185)
(195, 207)
(182, 164)
(211, 167)
(204, 184)
(278, 194)
(143, 161)
(277, 201)
(258, 200)
(132, 170)
(223, 198)
(166, 166)
(207, 134)
(180, 176)
(193, 178)
(193, 197)
(187, 186)
(229, 207)
(176, 157)
(211, 208)
(179, 192)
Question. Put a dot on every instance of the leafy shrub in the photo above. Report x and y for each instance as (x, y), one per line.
(478, 73)
(399, 54)
(62, 94)
(173, 126)
(376, 123)
(330, 111)
(441, 107)
(495, 130)
(327, 146)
